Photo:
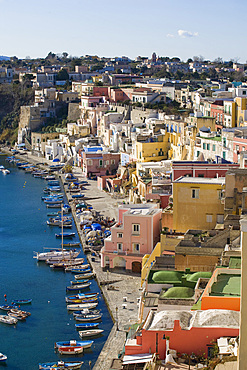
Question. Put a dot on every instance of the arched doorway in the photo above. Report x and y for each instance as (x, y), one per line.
(136, 267)
(119, 262)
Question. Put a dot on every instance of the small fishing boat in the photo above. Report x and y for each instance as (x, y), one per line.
(71, 245)
(86, 311)
(89, 275)
(65, 235)
(61, 365)
(18, 316)
(63, 264)
(71, 343)
(87, 325)
(53, 201)
(3, 357)
(16, 310)
(76, 268)
(80, 271)
(90, 333)
(8, 307)
(75, 282)
(22, 301)
(78, 196)
(75, 350)
(83, 295)
(50, 177)
(78, 287)
(81, 306)
(85, 300)
(52, 214)
(88, 317)
(5, 171)
(8, 319)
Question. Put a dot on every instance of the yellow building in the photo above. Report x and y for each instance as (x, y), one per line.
(197, 203)
(152, 149)
(241, 111)
(97, 78)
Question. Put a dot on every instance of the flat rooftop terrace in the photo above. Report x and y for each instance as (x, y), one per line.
(226, 286)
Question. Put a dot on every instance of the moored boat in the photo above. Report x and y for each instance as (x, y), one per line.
(75, 282)
(22, 301)
(89, 275)
(75, 350)
(43, 256)
(88, 317)
(81, 306)
(8, 307)
(71, 343)
(3, 357)
(90, 333)
(61, 365)
(65, 235)
(8, 319)
(78, 286)
(87, 325)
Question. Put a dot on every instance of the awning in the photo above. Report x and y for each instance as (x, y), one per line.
(137, 359)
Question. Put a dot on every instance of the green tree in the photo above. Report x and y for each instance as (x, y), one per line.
(62, 75)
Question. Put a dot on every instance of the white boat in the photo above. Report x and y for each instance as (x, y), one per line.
(90, 333)
(75, 350)
(8, 319)
(5, 171)
(81, 306)
(43, 256)
(69, 268)
(2, 357)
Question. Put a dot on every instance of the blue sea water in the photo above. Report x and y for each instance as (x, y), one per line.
(23, 230)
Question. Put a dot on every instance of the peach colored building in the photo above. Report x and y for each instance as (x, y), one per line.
(136, 234)
(188, 331)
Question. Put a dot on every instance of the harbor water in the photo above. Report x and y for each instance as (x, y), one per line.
(23, 230)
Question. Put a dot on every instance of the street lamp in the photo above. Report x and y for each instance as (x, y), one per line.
(117, 318)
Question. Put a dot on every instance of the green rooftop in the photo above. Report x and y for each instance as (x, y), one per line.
(226, 286)
(177, 293)
(235, 263)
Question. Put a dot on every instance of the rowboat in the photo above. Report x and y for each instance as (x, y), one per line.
(80, 270)
(88, 317)
(18, 316)
(87, 325)
(8, 319)
(85, 300)
(90, 333)
(63, 264)
(22, 301)
(81, 306)
(72, 343)
(52, 214)
(79, 267)
(83, 295)
(53, 201)
(85, 312)
(60, 365)
(78, 286)
(75, 282)
(89, 275)
(8, 307)
(65, 235)
(15, 310)
(75, 350)
(71, 245)
(3, 357)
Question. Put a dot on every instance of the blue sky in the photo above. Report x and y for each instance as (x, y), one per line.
(183, 28)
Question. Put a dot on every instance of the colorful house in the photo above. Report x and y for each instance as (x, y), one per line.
(187, 331)
(136, 234)
(197, 203)
(153, 148)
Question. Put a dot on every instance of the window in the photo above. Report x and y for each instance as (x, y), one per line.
(214, 147)
(208, 146)
(107, 163)
(220, 219)
(136, 247)
(195, 194)
(204, 146)
(220, 194)
(243, 148)
(201, 175)
(119, 235)
(90, 162)
(113, 161)
(224, 155)
(244, 92)
(119, 246)
(101, 163)
(136, 229)
(209, 218)
(237, 148)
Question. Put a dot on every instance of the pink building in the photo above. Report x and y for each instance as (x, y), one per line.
(97, 162)
(201, 169)
(188, 331)
(136, 234)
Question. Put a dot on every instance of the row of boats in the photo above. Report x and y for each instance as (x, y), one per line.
(82, 304)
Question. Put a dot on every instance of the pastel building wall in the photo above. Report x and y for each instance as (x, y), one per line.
(136, 234)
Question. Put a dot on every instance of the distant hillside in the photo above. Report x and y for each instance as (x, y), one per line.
(3, 57)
